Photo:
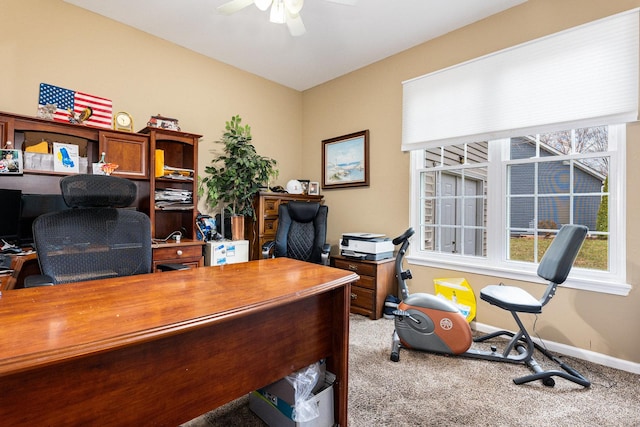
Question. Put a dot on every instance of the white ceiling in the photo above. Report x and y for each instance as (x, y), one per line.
(339, 38)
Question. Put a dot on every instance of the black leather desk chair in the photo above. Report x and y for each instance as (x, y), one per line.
(302, 233)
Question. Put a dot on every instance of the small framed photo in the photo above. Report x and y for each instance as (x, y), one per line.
(163, 123)
(345, 161)
(11, 162)
(314, 189)
(305, 185)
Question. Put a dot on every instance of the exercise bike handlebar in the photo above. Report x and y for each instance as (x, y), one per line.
(404, 236)
(401, 275)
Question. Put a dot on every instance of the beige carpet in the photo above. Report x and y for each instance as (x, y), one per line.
(434, 390)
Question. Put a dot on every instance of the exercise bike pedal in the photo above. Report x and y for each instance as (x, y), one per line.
(403, 313)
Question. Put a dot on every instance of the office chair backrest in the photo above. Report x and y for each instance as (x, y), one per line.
(302, 231)
(97, 191)
(88, 242)
(561, 254)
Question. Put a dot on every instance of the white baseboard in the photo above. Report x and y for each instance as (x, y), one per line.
(567, 350)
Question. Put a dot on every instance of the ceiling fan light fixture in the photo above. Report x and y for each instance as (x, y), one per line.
(262, 4)
(294, 6)
(277, 15)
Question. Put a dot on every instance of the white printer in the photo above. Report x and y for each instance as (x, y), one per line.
(368, 246)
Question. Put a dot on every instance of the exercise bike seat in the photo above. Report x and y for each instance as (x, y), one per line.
(511, 298)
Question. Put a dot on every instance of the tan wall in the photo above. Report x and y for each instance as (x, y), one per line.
(371, 98)
(143, 75)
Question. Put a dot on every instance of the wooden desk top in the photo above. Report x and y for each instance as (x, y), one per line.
(42, 326)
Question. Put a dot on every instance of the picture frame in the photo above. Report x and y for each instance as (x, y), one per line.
(345, 161)
(314, 188)
(11, 162)
(163, 123)
(305, 185)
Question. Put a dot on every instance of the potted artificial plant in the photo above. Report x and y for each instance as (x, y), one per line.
(236, 176)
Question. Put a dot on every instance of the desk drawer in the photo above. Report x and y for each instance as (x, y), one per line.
(355, 266)
(367, 282)
(177, 252)
(271, 207)
(361, 300)
(270, 227)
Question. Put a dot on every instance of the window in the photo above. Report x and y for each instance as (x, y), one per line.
(492, 179)
(493, 207)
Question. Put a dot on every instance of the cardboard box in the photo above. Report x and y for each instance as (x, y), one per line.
(278, 413)
(285, 391)
(226, 252)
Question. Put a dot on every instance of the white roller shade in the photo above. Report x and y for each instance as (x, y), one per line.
(587, 75)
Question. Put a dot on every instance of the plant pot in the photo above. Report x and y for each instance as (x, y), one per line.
(237, 227)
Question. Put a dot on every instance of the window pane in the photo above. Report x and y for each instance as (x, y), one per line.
(432, 157)
(521, 214)
(558, 142)
(589, 174)
(553, 177)
(521, 248)
(592, 140)
(553, 212)
(453, 155)
(521, 178)
(522, 148)
(586, 209)
(429, 239)
(477, 152)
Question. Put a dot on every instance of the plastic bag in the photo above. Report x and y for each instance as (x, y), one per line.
(303, 382)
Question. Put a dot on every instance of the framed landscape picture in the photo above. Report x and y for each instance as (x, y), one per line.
(345, 161)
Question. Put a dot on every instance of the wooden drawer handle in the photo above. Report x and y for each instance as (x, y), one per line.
(353, 267)
(179, 252)
(354, 296)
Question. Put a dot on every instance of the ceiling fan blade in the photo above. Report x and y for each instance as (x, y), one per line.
(347, 2)
(233, 6)
(295, 25)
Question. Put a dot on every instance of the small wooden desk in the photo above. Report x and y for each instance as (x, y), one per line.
(163, 348)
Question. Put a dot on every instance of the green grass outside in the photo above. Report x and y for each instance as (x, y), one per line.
(593, 254)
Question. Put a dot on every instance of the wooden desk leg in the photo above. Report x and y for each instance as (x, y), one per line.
(339, 363)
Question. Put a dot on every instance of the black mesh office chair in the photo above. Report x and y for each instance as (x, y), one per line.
(302, 232)
(98, 237)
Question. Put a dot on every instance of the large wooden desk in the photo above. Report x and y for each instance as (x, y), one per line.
(163, 348)
(22, 266)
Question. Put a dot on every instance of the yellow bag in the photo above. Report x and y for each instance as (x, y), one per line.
(458, 291)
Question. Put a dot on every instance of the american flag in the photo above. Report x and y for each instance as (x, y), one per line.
(76, 101)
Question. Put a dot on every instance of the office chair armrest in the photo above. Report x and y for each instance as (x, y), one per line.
(266, 249)
(37, 281)
(172, 267)
(326, 250)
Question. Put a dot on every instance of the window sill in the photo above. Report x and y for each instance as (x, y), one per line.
(476, 266)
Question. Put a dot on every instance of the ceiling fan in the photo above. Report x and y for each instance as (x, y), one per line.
(282, 11)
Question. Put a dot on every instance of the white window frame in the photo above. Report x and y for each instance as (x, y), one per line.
(496, 263)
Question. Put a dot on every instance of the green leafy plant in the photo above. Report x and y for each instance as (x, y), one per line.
(238, 174)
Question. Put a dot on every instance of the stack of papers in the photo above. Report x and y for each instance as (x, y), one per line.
(174, 198)
(178, 173)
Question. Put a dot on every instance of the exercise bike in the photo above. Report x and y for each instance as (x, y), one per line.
(430, 323)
